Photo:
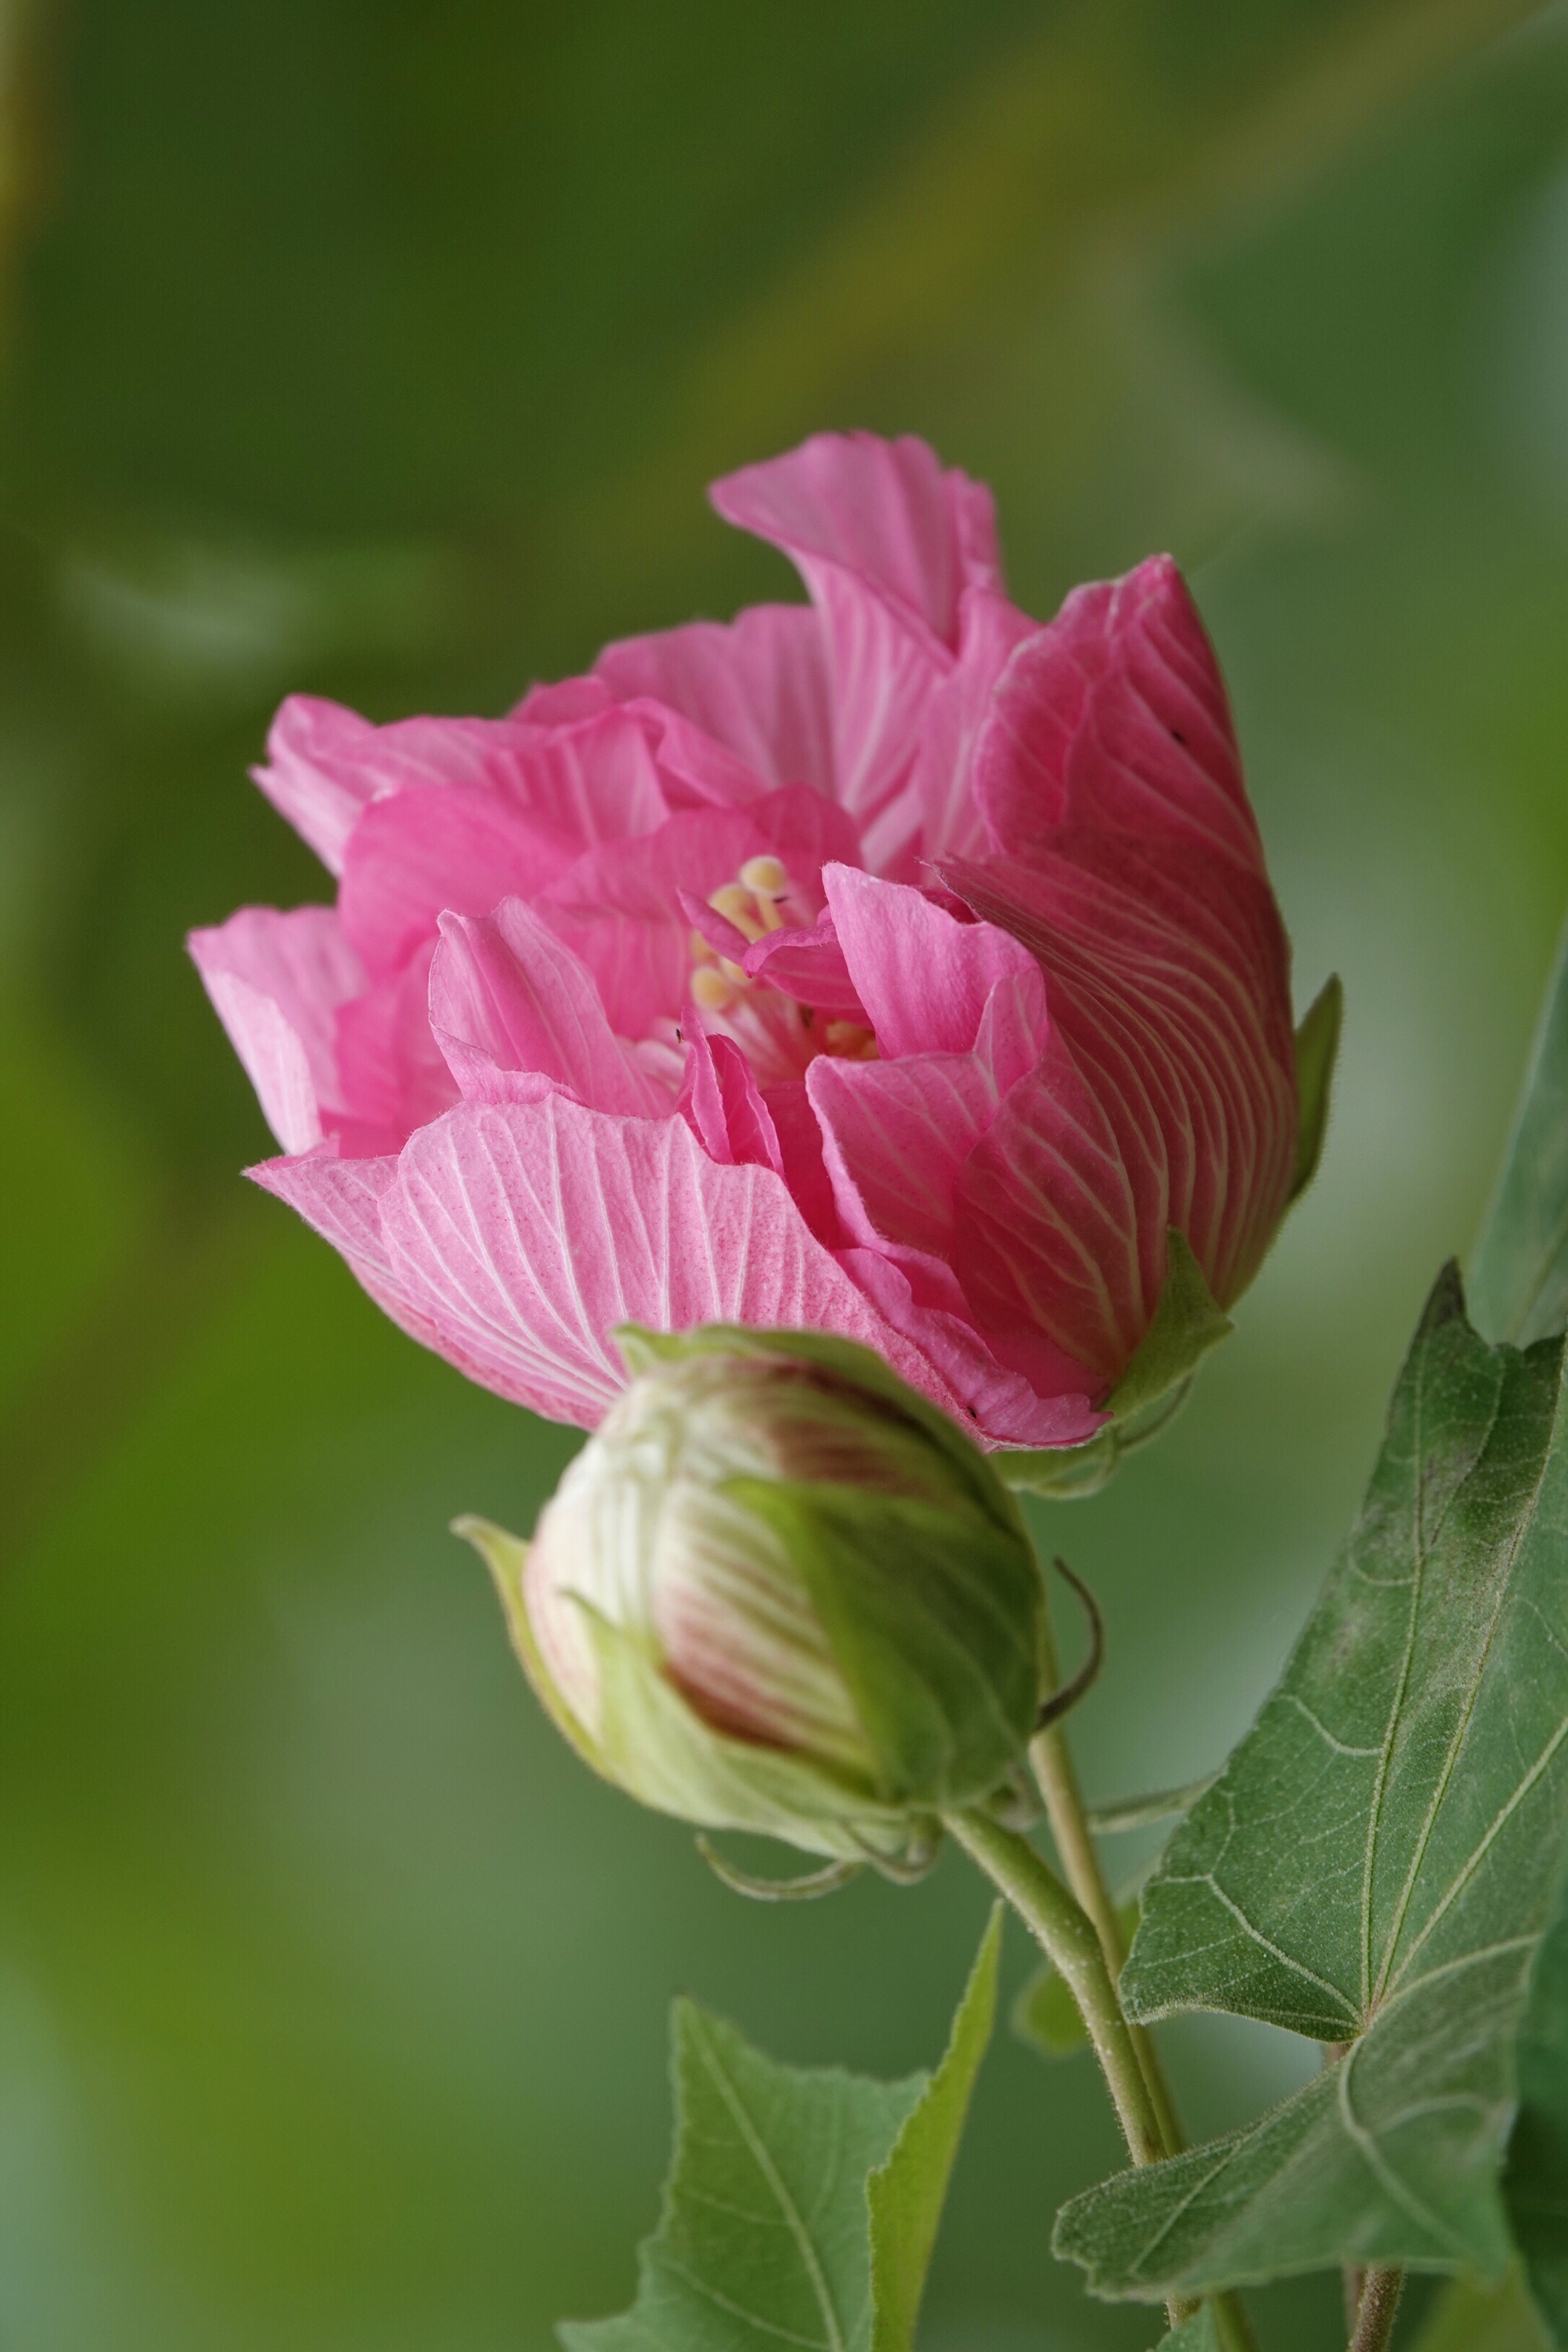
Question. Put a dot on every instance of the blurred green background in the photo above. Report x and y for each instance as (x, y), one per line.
(384, 351)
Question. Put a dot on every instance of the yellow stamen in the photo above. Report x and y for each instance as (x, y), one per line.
(701, 951)
(737, 906)
(766, 875)
(710, 990)
(851, 1041)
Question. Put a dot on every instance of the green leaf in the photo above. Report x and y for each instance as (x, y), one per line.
(1045, 2013)
(1187, 1323)
(906, 2194)
(802, 2207)
(1519, 1285)
(1317, 1050)
(1471, 2318)
(1535, 2184)
(1378, 1861)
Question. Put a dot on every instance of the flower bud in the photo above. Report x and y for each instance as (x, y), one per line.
(779, 1591)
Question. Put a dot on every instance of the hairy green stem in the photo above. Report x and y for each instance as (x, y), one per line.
(1378, 2301)
(1054, 1770)
(1056, 1775)
(1067, 1937)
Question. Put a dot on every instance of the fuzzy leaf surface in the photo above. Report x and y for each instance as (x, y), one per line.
(1378, 1861)
(801, 2206)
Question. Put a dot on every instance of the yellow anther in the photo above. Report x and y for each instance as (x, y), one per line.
(710, 990)
(766, 875)
(701, 951)
(850, 1041)
(737, 906)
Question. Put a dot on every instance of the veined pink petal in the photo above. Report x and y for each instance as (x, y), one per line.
(563, 702)
(515, 1237)
(923, 977)
(509, 999)
(276, 982)
(758, 686)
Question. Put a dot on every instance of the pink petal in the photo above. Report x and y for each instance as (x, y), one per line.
(808, 966)
(1114, 719)
(923, 977)
(318, 772)
(393, 1075)
(508, 999)
(721, 1102)
(514, 1237)
(758, 686)
(1001, 1405)
(620, 909)
(565, 702)
(884, 511)
(886, 543)
(276, 982)
(896, 1136)
(951, 823)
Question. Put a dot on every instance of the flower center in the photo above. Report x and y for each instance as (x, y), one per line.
(768, 1025)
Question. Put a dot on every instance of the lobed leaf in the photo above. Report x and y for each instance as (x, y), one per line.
(1377, 1863)
(801, 2206)
(1519, 1284)
(1535, 2183)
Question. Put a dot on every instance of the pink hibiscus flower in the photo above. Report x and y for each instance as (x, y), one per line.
(889, 965)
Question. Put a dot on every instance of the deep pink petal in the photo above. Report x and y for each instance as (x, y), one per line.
(809, 966)
(923, 977)
(276, 982)
(759, 687)
(722, 1105)
(510, 1000)
(515, 1237)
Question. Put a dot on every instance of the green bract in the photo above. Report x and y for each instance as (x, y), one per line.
(778, 1592)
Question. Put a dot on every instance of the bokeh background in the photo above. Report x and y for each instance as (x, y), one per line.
(384, 351)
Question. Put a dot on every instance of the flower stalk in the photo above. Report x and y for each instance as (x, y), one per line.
(1379, 2307)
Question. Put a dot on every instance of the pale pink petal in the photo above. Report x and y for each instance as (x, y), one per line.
(758, 686)
(276, 982)
(509, 999)
(414, 857)
(923, 977)
(516, 1237)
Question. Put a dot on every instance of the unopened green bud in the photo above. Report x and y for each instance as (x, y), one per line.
(779, 1591)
